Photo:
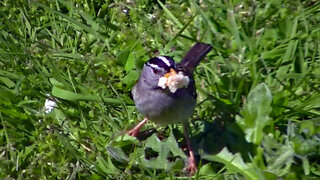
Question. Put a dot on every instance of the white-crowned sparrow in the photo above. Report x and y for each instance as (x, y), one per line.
(166, 93)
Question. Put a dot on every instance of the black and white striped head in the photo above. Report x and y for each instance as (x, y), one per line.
(156, 68)
(161, 65)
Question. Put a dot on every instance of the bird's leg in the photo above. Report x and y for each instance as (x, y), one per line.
(134, 131)
(192, 168)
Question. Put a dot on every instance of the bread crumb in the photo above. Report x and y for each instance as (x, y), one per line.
(174, 81)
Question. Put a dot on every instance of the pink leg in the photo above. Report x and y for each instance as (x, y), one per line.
(134, 131)
(192, 168)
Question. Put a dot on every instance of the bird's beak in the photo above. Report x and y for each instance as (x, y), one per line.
(172, 72)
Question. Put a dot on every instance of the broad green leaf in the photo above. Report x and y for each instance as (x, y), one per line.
(115, 147)
(171, 142)
(125, 140)
(55, 82)
(207, 170)
(255, 115)
(308, 127)
(160, 162)
(7, 82)
(131, 78)
(235, 164)
(154, 143)
(10, 75)
(71, 96)
(306, 165)
(130, 64)
(123, 56)
(117, 154)
(164, 148)
(106, 166)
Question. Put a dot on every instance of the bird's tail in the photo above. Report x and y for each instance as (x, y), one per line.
(193, 57)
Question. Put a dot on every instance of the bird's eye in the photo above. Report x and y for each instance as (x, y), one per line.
(155, 71)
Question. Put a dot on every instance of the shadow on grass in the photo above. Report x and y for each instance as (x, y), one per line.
(222, 132)
(213, 137)
(217, 136)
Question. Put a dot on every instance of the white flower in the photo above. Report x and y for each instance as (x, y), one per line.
(49, 105)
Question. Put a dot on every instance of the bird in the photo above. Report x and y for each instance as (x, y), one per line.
(165, 93)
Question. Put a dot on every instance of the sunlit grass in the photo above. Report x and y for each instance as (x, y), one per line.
(258, 90)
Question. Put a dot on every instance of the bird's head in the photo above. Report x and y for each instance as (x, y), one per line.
(161, 72)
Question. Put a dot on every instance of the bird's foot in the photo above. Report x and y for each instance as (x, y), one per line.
(135, 131)
(192, 168)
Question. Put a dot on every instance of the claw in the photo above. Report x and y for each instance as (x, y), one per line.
(192, 168)
(135, 131)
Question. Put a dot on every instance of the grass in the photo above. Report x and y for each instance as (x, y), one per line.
(258, 90)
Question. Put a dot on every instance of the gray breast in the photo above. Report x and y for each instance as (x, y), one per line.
(163, 107)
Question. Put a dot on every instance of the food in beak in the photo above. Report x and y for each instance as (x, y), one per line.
(174, 81)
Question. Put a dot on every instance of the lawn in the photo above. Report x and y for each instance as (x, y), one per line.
(258, 105)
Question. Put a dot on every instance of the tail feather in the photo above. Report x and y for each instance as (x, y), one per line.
(194, 56)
